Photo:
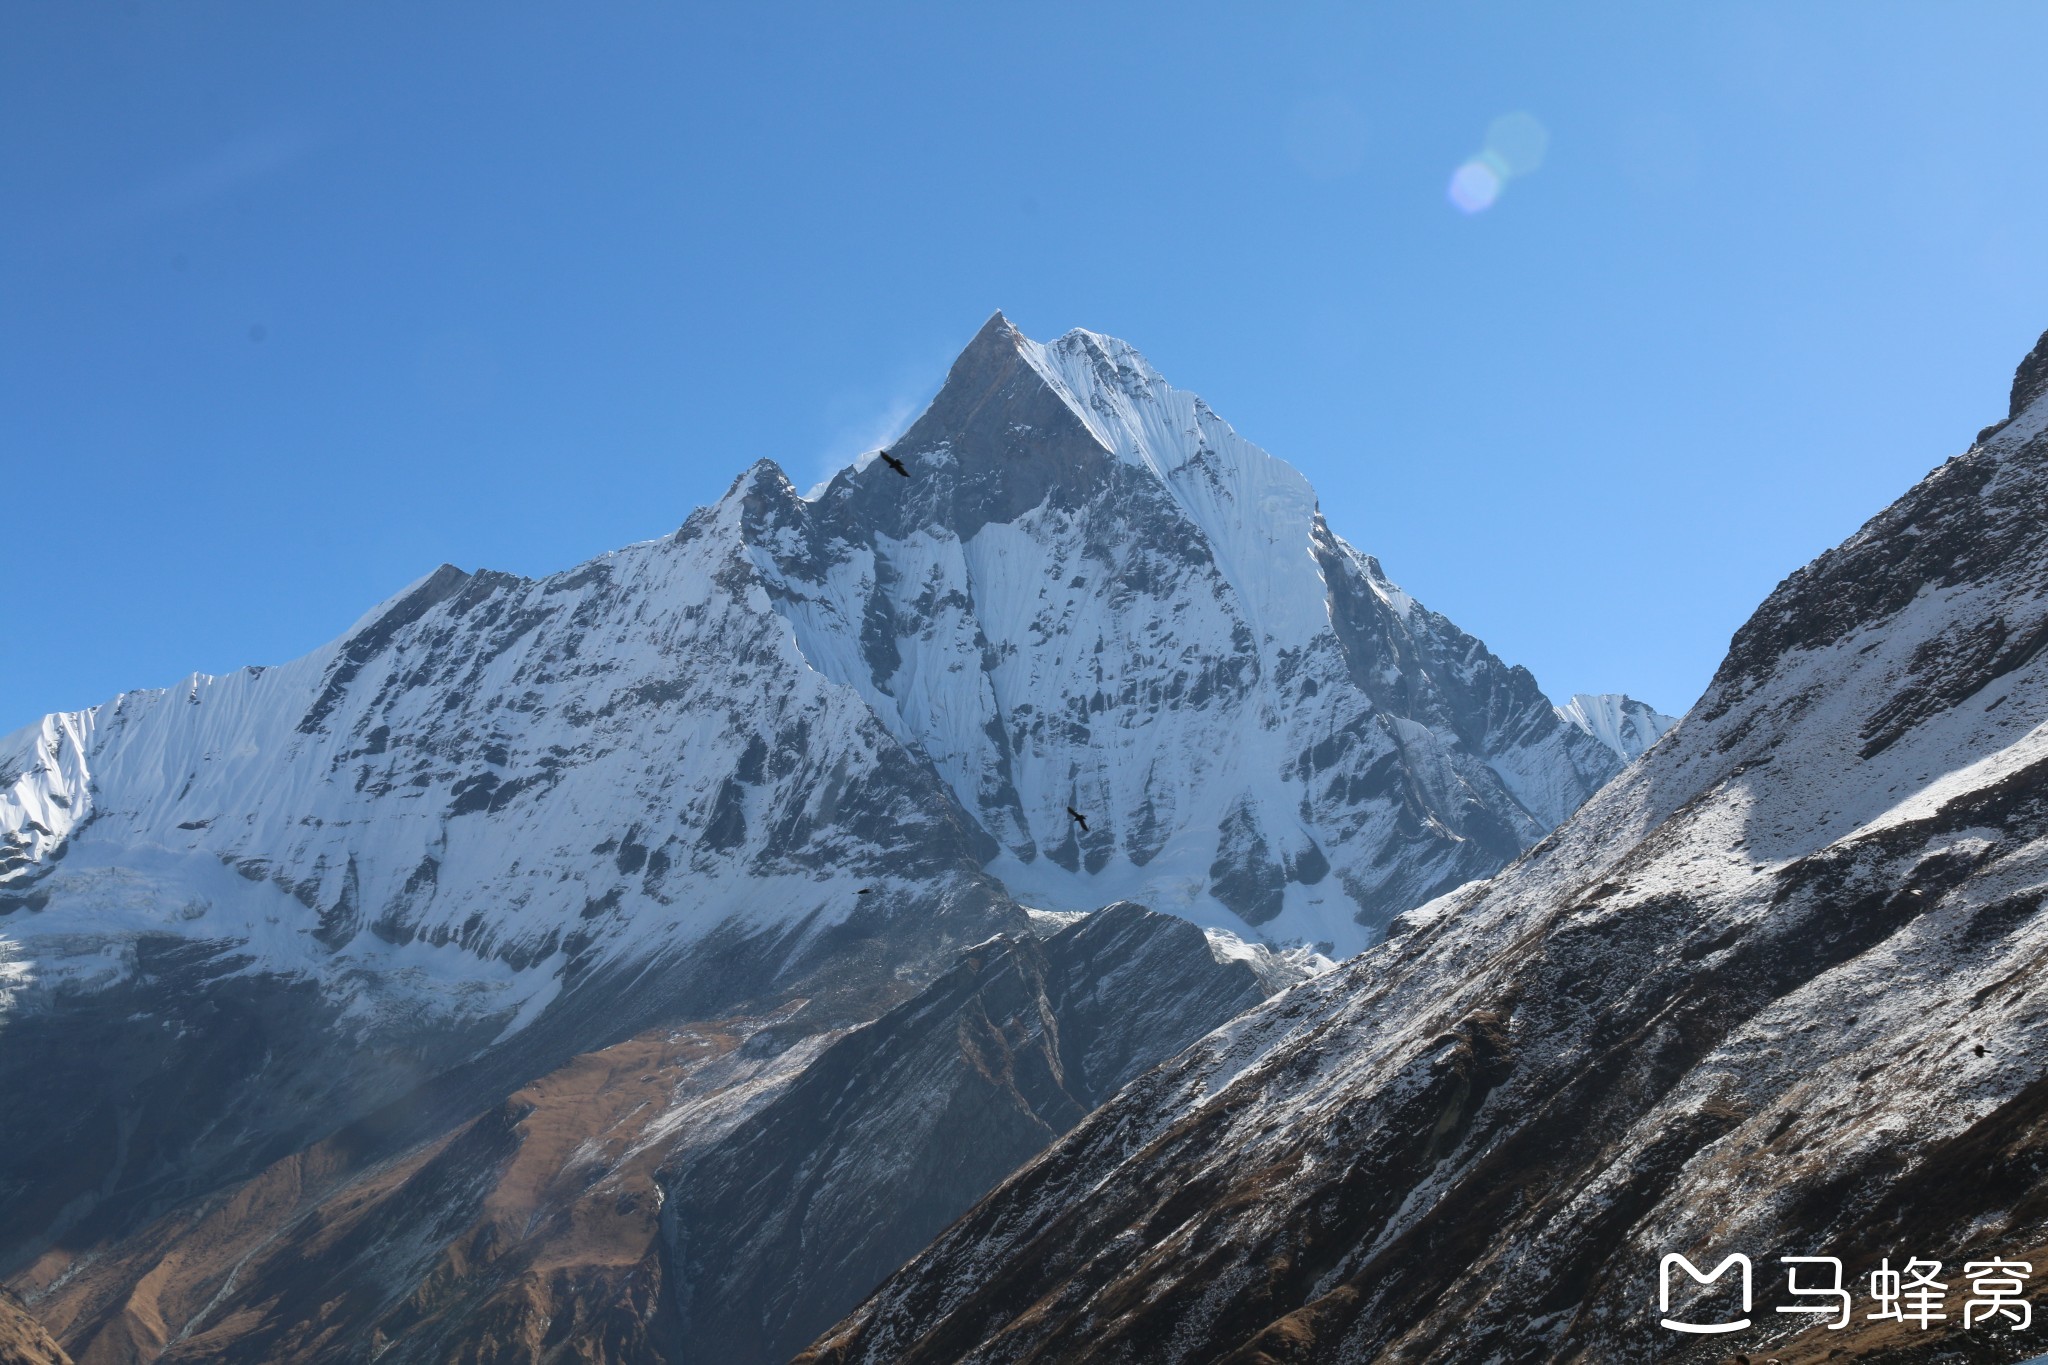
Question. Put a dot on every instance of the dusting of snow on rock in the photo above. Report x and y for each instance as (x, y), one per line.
(1046, 923)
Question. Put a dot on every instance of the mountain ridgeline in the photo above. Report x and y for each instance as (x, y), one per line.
(1094, 594)
(277, 945)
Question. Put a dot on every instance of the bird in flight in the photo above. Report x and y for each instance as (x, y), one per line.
(1979, 1049)
(893, 463)
(863, 891)
(1079, 819)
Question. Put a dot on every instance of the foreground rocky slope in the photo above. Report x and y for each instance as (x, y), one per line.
(708, 1192)
(1779, 990)
(23, 1340)
(791, 1218)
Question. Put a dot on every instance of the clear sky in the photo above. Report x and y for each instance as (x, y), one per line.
(298, 301)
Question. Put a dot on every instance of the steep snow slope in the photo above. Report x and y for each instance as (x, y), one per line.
(1778, 990)
(501, 764)
(1623, 724)
(1091, 592)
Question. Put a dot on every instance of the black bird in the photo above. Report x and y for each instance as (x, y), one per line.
(863, 891)
(1079, 819)
(1979, 1049)
(893, 463)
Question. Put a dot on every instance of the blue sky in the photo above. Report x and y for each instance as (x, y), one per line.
(298, 301)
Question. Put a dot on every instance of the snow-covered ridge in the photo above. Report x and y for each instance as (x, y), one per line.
(1091, 594)
(1623, 724)
(1256, 511)
(1278, 968)
(487, 776)
(45, 788)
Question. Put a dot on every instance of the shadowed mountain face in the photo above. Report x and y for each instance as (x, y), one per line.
(793, 757)
(792, 1217)
(1778, 990)
(713, 1191)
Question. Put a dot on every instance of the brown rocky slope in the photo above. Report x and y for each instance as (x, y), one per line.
(658, 1200)
(22, 1339)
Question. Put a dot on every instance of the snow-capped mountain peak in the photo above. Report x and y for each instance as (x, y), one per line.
(1090, 595)
(786, 762)
(1623, 724)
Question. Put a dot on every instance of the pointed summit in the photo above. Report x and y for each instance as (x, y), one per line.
(997, 347)
(997, 331)
(1093, 597)
(1007, 436)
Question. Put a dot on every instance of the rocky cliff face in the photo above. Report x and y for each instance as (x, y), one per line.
(1777, 991)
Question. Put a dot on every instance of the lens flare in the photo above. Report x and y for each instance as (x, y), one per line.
(1515, 145)
(1475, 185)
(1518, 142)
